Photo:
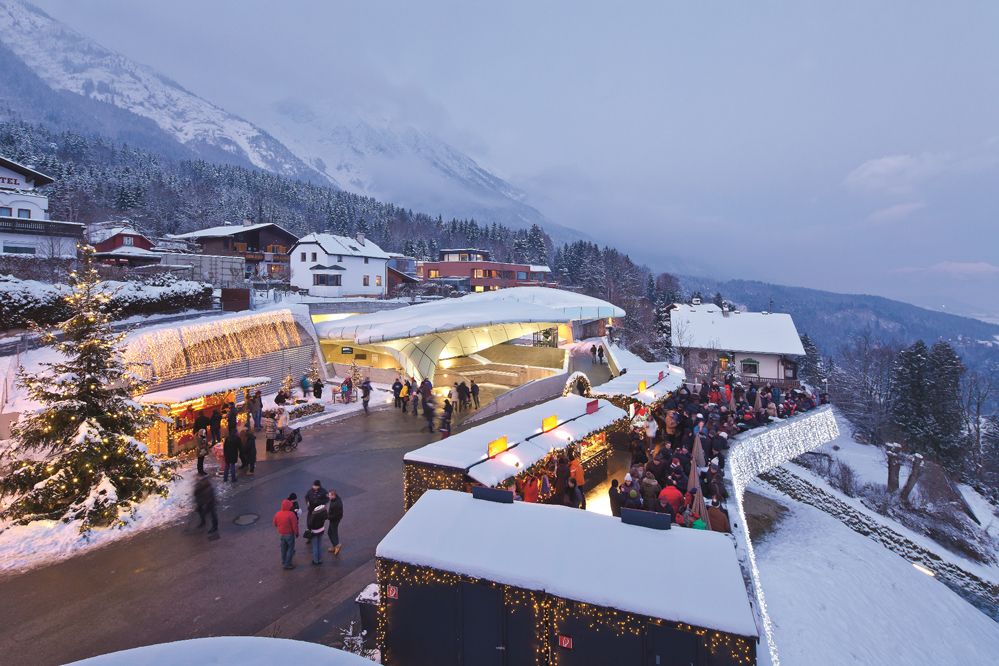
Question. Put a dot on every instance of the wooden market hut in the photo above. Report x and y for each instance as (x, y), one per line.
(466, 581)
(496, 453)
(183, 404)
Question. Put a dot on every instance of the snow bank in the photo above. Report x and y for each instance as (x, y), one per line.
(836, 597)
(583, 560)
(242, 650)
(46, 541)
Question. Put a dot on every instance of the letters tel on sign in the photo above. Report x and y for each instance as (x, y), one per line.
(565, 642)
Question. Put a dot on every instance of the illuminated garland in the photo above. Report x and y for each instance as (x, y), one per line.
(549, 612)
(764, 450)
(572, 383)
(420, 477)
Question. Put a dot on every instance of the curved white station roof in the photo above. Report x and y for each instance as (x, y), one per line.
(419, 335)
(517, 305)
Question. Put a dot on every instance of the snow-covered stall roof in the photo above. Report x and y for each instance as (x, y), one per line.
(455, 532)
(656, 389)
(129, 251)
(242, 650)
(195, 391)
(468, 449)
(708, 327)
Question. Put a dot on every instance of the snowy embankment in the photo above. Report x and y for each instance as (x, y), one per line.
(835, 598)
(241, 650)
(43, 542)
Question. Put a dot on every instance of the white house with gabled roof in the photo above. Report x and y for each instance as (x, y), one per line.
(25, 228)
(761, 346)
(331, 265)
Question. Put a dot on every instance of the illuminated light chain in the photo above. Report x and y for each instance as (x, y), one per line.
(573, 382)
(761, 452)
(549, 612)
(419, 477)
(174, 352)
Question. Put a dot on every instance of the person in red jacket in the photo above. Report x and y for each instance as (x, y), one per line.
(673, 495)
(286, 522)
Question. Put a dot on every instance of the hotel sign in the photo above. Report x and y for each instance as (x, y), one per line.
(5, 180)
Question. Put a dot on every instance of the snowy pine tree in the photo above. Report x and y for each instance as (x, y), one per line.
(662, 334)
(908, 416)
(811, 367)
(77, 457)
(943, 407)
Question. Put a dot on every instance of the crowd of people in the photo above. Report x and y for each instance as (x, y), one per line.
(662, 452)
(417, 397)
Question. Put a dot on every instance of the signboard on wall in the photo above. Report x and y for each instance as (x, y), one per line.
(497, 446)
(549, 423)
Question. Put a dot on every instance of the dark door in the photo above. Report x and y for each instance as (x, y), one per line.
(422, 625)
(482, 625)
(670, 647)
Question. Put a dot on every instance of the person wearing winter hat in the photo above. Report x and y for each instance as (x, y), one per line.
(633, 500)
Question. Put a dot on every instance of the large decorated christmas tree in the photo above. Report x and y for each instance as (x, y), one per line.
(77, 456)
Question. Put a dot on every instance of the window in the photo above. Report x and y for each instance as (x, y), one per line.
(339, 258)
(365, 260)
(313, 256)
(18, 249)
(478, 287)
(127, 241)
(325, 280)
(521, 275)
(24, 213)
(367, 280)
(378, 280)
(477, 272)
(750, 367)
(433, 273)
(790, 370)
(301, 256)
(6, 211)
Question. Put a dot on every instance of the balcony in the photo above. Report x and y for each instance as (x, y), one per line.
(18, 225)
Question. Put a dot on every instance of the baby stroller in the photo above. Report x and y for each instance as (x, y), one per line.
(290, 441)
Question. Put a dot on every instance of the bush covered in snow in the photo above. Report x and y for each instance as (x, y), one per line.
(24, 301)
(306, 410)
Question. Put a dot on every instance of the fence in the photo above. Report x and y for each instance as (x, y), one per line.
(529, 393)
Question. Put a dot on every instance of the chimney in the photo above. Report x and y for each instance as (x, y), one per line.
(360, 238)
(247, 221)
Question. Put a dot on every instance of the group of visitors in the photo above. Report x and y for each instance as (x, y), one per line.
(662, 451)
(417, 398)
(324, 511)
(597, 352)
(561, 481)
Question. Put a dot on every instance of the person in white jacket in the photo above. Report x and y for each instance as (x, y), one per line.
(282, 422)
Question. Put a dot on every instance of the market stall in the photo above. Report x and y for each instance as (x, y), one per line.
(519, 445)
(182, 405)
(643, 385)
(469, 581)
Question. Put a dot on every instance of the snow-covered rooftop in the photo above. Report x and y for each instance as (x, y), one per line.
(708, 327)
(99, 235)
(228, 230)
(345, 245)
(540, 269)
(194, 391)
(504, 543)
(505, 306)
(468, 449)
(130, 251)
(655, 389)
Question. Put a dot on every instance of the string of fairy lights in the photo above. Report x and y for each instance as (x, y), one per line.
(756, 454)
(550, 614)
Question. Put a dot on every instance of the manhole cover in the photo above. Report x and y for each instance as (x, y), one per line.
(246, 519)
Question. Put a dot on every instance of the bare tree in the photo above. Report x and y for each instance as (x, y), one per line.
(861, 386)
(979, 391)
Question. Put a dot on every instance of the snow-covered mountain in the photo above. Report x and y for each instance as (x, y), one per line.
(67, 61)
(74, 83)
(395, 161)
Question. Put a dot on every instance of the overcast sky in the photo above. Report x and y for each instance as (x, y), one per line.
(852, 146)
